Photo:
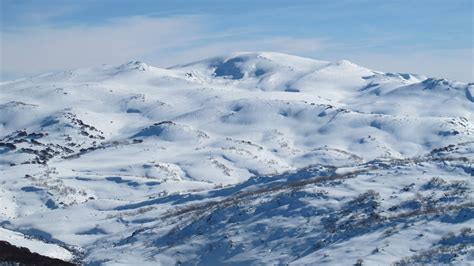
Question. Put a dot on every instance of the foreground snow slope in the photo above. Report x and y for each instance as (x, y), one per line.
(250, 158)
(50, 250)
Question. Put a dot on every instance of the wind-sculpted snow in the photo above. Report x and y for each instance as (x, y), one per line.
(254, 158)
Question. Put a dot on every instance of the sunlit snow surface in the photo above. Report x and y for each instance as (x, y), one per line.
(255, 158)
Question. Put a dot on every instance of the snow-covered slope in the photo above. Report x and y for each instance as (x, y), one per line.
(249, 158)
(34, 245)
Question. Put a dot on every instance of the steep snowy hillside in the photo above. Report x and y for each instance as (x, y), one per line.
(250, 158)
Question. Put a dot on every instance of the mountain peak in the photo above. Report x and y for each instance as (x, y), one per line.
(241, 65)
(345, 62)
(134, 65)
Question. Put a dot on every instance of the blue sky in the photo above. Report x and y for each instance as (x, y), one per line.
(432, 37)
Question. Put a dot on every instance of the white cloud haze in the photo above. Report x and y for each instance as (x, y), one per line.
(180, 39)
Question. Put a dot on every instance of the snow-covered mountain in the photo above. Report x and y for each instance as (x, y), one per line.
(260, 158)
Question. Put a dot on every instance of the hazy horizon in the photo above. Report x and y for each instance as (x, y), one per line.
(432, 38)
